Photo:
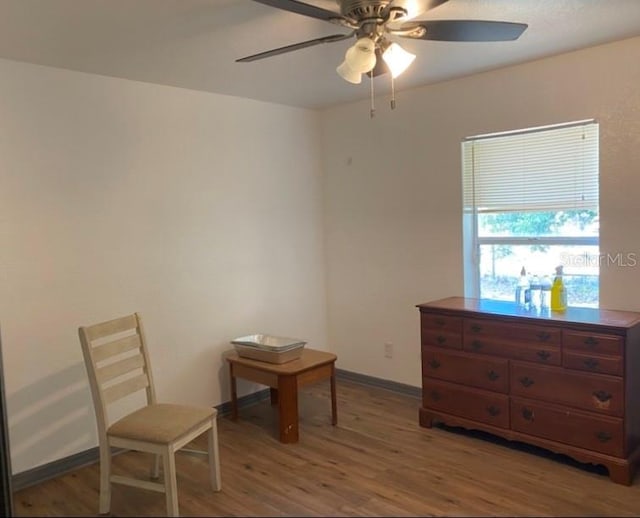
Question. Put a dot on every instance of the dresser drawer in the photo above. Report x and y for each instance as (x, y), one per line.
(545, 354)
(474, 404)
(596, 392)
(467, 369)
(593, 363)
(435, 321)
(592, 342)
(439, 338)
(569, 426)
(480, 328)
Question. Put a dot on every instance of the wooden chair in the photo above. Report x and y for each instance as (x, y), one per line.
(117, 361)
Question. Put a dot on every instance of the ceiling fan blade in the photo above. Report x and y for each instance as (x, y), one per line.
(430, 4)
(461, 30)
(415, 7)
(295, 46)
(294, 6)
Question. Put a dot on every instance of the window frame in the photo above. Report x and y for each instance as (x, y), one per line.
(470, 235)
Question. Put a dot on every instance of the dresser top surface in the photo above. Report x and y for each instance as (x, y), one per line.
(603, 317)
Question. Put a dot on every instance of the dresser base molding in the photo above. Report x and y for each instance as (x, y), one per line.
(621, 471)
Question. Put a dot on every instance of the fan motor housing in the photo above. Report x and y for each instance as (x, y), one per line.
(362, 9)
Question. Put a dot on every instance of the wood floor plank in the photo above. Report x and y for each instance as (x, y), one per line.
(376, 462)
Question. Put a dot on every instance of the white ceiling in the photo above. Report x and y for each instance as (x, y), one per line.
(194, 43)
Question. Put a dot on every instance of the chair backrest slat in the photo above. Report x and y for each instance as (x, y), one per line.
(105, 351)
(120, 368)
(114, 366)
(124, 388)
(111, 327)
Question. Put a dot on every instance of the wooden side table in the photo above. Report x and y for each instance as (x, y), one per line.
(284, 380)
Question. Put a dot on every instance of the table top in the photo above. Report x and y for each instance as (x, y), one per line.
(309, 359)
(572, 315)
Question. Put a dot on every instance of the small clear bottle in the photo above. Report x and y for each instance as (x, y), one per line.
(521, 289)
(536, 293)
(545, 293)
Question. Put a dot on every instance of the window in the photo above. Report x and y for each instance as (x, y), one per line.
(530, 199)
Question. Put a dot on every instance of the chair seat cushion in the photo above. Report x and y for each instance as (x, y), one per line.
(161, 423)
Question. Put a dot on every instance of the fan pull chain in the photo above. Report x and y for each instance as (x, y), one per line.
(393, 94)
(373, 107)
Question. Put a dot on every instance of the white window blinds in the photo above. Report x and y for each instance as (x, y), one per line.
(550, 168)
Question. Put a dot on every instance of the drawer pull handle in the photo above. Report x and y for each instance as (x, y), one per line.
(544, 355)
(435, 395)
(493, 410)
(439, 322)
(602, 396)
(604, 436)
(476, 328)
(441, 339)
(544, 336)
(526, 382)
(592, 363)
(476, 345)
(434, 364)
(591, 341)
(527, 414)
(493, 375)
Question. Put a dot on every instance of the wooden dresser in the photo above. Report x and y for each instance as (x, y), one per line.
(568, 382)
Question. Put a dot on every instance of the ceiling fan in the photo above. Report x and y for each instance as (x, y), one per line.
(374, 22)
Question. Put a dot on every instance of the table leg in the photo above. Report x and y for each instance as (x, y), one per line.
(234, 394)
(274, 396)
(334, 404)
(288, 408)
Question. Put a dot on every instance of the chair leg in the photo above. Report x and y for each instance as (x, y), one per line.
(214, 457)
(170, 485)
(105, 478)
(155, 468)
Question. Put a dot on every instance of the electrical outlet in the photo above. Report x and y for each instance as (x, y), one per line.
(388, 350)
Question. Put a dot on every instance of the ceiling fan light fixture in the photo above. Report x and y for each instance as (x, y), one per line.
(397, 59)
(348, 74)
(371, 21)
(361, 57)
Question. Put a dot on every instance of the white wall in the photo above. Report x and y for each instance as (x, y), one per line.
(202, 212)
(393, 191)
(205, 213)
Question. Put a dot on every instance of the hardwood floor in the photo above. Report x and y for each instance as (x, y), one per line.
(376, 462)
